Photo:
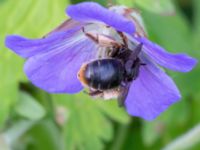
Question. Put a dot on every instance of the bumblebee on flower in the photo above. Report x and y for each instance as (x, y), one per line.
(107, 51)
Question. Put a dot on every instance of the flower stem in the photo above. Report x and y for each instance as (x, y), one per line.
(185, 141)
(111, 2)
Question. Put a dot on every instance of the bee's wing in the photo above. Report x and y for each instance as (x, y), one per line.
(123, 94)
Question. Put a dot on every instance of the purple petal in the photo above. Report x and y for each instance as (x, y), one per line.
(151, 93)
(26, 47)
(176, 62)
(93, 12)
(69, 24)
(55, 70)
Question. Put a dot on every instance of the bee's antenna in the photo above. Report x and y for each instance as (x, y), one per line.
(124, 38)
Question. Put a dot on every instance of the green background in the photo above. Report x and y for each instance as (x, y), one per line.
(31, 119)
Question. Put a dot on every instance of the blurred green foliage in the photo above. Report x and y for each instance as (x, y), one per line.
(31, 119)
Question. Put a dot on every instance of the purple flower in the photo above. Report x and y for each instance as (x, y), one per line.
(54, 60)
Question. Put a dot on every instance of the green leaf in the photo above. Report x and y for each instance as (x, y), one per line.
(13, 133)
(196, 45)
(196, 31)
(90, 122)
(128, 3)
(102, 2)
(29, 108)
(163, 7)
(171, 32)
(29, 18)
(45, 135)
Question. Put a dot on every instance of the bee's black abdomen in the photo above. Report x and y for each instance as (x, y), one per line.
(104, 74)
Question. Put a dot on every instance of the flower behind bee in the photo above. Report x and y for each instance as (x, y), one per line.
(54, 60)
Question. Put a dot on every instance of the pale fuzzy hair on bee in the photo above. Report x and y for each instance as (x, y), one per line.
(109, 94)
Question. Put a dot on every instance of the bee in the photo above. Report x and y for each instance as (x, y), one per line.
(110, 77)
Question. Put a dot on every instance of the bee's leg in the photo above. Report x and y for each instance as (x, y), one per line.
(123, 94)
(124, 38)
(93, 37)
(95, 93)
(102, 40)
